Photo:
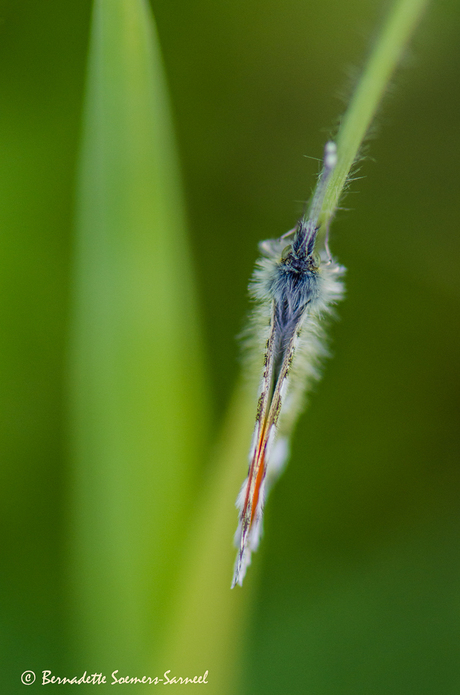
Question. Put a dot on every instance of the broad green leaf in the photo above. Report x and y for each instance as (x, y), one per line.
(138, 404)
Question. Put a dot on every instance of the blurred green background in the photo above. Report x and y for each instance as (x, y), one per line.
(356, 587)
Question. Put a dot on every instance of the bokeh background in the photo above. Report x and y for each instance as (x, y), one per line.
(358, 576)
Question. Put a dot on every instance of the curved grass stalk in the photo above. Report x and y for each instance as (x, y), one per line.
(208, 620)
(383, 60)
(209, 623)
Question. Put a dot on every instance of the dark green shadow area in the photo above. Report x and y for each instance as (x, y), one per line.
(42, 57)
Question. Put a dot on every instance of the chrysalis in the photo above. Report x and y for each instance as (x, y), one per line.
(293, 288)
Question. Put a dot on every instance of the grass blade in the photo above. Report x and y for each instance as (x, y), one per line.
(383, 60)
(138, 404)
(205, 602)
(208, 622)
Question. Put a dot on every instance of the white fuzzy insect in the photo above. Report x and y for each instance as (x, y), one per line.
(293, 289)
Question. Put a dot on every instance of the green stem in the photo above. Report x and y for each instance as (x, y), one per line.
(384, 59)
(209, 619)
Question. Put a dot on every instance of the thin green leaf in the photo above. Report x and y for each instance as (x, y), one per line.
(383, 60)
(207, 626)
(204, 603)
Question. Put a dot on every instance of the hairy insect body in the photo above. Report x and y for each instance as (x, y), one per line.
(292, 292)
(293, 289)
